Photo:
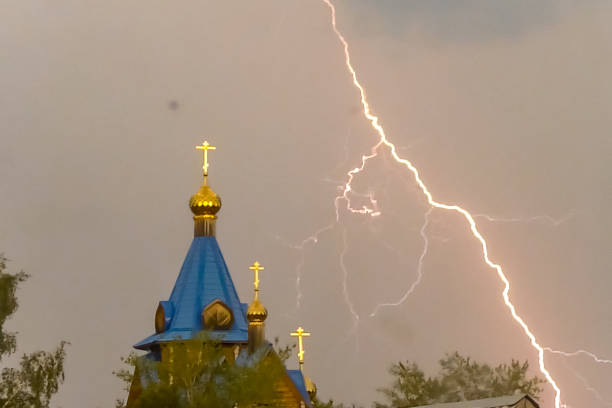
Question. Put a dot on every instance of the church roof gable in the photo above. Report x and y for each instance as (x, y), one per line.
(297, 378)
(203, 279)
(496, 402)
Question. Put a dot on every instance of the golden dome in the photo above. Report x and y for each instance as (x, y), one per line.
(256, 311)
(205, 202)
(311, 387)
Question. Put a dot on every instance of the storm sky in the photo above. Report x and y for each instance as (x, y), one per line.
(504, 106)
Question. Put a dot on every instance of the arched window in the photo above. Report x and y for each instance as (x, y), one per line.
(163, 316)
(217, 316)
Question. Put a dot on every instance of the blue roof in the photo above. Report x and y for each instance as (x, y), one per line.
(203, 278)
(298, 379)
(246, 359)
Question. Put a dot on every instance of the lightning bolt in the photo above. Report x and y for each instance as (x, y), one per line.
(588, 386)
(313, 239)
(347, 188)
(301, 247)
(345, 291)
(592, 390)
(383, 140)
(419, 268)
(546, 219)
(577, 353)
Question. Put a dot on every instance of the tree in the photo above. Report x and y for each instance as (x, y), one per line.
(39, 374)
(200, 374)
(317, 403)
(459, 379)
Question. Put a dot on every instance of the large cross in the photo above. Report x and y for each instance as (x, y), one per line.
(256, 267)
(299, 333)
(205, 147)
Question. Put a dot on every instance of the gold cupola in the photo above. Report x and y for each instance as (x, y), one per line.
(311, 387)
(205, 203)
(256, 314)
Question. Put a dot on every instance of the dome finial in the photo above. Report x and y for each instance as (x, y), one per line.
(311, 387)
(256, 267)
(299, 333)
(256, 311)
(205, 203)
(205, 147)
(256, 314)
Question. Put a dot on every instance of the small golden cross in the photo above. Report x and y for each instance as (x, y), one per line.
(205, 147)
(256, 267)
(299, 333)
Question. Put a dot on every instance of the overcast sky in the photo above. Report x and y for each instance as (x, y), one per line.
(504, 106)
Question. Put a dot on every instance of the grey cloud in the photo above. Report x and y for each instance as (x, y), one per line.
(460, 20)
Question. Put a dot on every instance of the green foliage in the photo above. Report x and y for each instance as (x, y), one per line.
(126, 374)
(8, 305)
(317, 403)
(284, 352)
(39, 374)
(35, 382)
(410, 387)
(459, 379)
(202, 373)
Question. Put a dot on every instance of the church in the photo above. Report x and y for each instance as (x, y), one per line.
(204, 300)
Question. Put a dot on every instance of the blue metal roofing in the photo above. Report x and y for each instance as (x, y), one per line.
(203, 278)
(298, 379)
(246, 359)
